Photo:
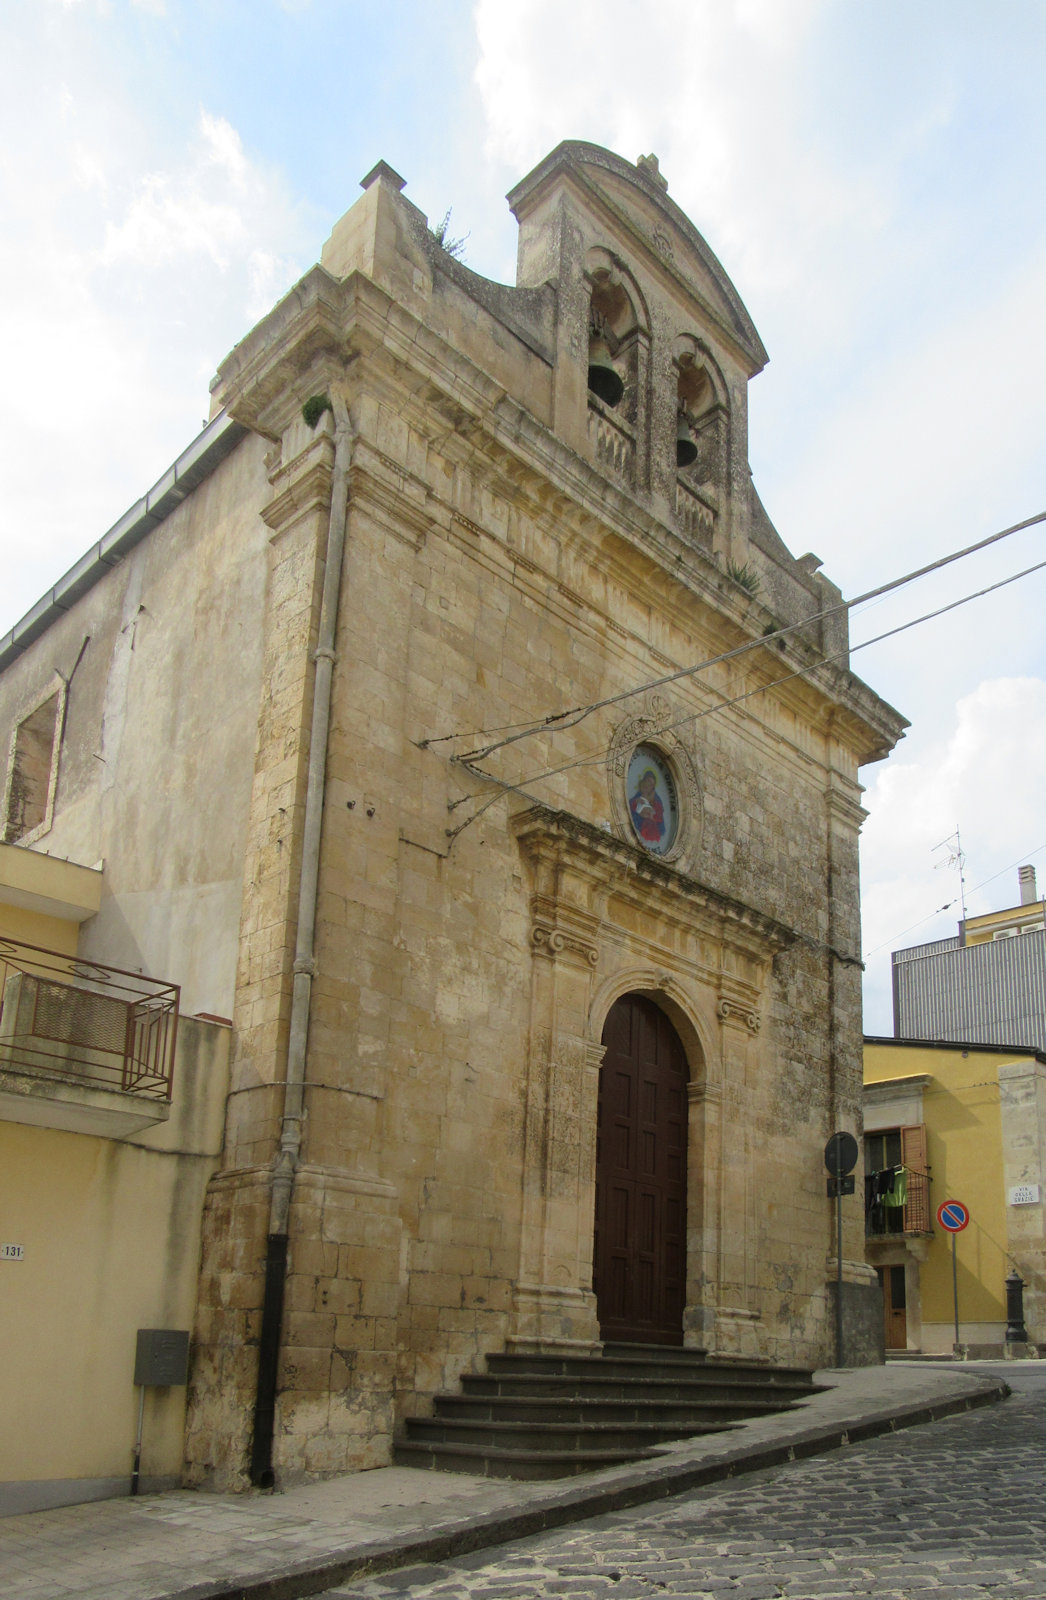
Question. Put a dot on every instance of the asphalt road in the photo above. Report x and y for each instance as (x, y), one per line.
(954, 1510)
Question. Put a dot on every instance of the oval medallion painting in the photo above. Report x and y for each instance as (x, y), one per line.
(652, 803)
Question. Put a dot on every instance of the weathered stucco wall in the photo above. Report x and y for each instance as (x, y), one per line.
(984, 1110)
(163, 663)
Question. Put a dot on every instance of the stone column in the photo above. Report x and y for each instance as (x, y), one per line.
(554, 1305)
(738, 1330)
(704, 1222)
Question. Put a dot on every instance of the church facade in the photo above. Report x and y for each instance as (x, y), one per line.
(469, 739)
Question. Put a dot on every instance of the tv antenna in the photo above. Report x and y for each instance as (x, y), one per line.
(957, 859)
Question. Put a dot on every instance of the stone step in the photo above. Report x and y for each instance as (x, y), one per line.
(692, 1415)
(545, 1416)
(634, 1367)
(683, 1355)
(560, 1437)
(601, 1386)
(523, 1465)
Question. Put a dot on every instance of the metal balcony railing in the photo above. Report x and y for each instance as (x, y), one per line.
(85, 1023)
(881, 1218)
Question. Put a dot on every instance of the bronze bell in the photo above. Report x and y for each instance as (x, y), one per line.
(603, 377)
(686, 449)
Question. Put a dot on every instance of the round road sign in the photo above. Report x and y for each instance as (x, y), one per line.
(953, 1216)
(840, 1154)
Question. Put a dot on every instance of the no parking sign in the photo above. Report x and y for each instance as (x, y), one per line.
(953, 1216)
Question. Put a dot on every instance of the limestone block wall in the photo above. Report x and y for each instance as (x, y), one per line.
(423, 1038)
(1022, 1109)
(482, 904)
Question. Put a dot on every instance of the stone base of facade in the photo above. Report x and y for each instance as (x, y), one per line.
(739, 1335)
(549, 1318)
(519, 1345)
(863, 1335)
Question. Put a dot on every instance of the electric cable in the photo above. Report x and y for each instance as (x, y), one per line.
(577, 714)
(469, 758)
(1020, 862)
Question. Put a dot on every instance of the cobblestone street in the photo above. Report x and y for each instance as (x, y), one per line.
(953, 1511)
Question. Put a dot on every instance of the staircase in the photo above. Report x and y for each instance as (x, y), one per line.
(548, 1416)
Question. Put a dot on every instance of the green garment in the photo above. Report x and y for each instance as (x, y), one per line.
(897, 1194)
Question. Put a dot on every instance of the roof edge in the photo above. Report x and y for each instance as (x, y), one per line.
(197, 462)
(968, 1045)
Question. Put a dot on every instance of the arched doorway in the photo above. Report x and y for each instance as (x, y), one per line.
(639, 1263)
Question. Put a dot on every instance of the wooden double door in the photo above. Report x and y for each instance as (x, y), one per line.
(639, 1266)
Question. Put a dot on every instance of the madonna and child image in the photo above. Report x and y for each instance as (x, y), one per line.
(651, 799)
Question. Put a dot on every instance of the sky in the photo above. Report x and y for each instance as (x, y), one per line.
(871, 174)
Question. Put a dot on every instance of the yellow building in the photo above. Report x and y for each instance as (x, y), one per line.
(965, 1122)
(111, 1113)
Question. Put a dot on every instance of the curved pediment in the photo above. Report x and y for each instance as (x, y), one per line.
(638, 213)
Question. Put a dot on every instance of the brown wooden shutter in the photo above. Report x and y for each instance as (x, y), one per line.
(913, 1156)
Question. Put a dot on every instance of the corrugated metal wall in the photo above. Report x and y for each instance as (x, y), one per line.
(992, 993)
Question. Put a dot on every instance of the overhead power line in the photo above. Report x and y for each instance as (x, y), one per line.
(470, 758)
(1020, 861)
(569, 718)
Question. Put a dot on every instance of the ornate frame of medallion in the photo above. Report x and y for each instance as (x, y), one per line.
(654, 725)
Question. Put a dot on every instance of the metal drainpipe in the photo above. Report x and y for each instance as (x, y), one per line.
(286, 1164)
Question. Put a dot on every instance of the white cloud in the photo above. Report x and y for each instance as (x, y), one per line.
(714, 89)
(134, 256)
(944, 437)
(201, 208)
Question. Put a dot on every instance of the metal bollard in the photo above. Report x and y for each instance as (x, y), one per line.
(1016, 1332)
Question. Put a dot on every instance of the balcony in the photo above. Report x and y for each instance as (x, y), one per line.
(883, 1220)
(84, 1047)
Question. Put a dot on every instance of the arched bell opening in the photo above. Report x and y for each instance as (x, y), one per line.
(641, 1222)
(701, 416)
(612, 335)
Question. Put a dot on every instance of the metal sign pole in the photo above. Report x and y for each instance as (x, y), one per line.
(840, 1157)
(953, 1217)
(839, 1276)
(955, 1290)
(136, 1472)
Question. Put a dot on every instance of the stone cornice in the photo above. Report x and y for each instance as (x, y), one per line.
(552, 840)
(265, 369)
(303, 485)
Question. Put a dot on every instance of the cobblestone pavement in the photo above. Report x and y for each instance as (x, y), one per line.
(953, 1511)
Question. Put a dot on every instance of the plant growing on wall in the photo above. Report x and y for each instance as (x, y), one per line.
(745, 574)
(441, 234)
(314, 408)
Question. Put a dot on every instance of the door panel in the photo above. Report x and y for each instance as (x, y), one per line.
(640, 1238)
(895, 1307)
